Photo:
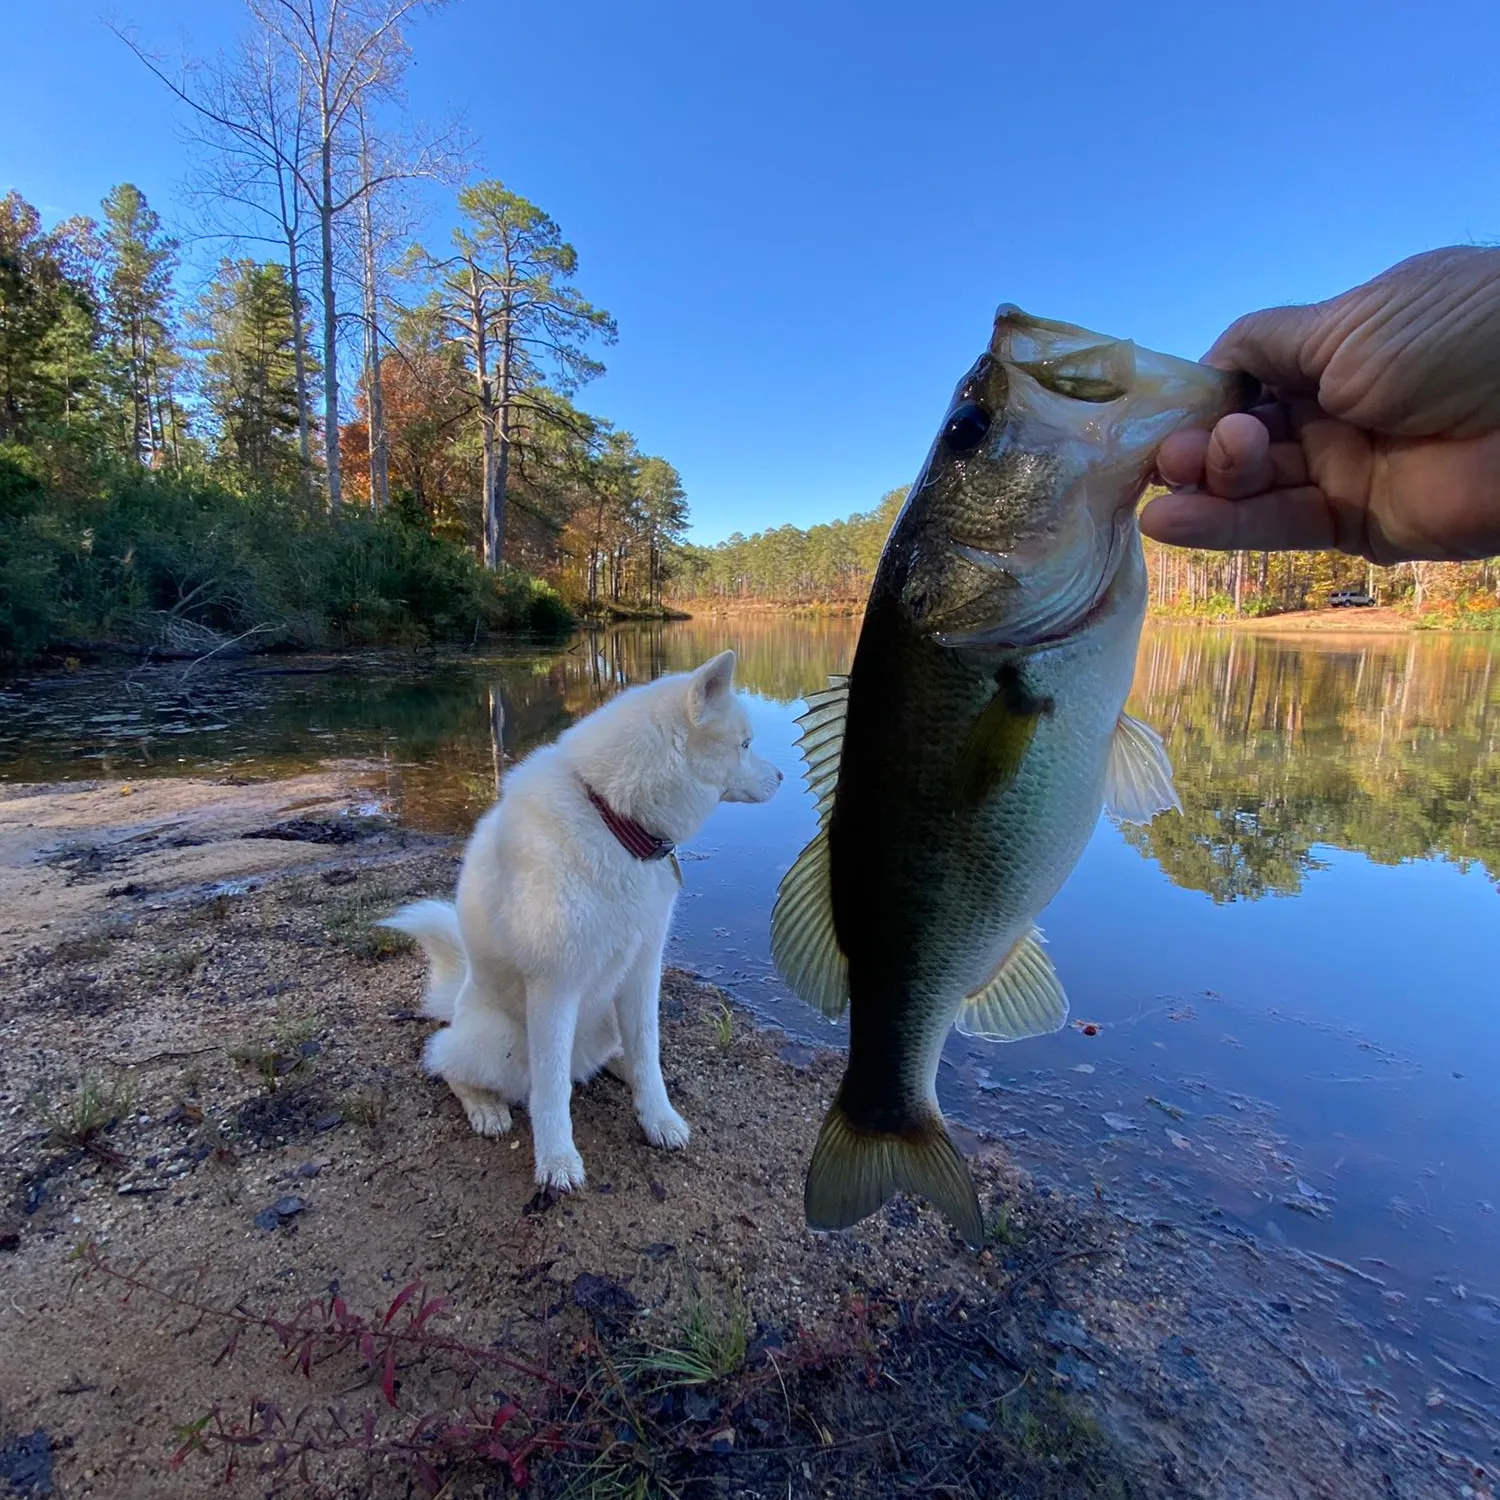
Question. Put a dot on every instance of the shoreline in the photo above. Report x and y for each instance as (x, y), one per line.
(1379, 620)
(66, 656)
(202, 952)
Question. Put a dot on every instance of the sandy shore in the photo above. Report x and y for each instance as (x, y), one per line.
(225, 1170)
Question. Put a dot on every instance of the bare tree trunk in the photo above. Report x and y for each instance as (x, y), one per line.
(502, 467)
(299, 354)
(374, 396)
(140, 431)
(330, 317)
(478, 331)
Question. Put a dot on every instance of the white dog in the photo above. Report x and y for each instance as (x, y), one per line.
(549, 965)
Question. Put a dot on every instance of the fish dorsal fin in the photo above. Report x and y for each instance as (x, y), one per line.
(804, 946)
(803, 943)
(1023, 998)
(1138, 781)
(822, 741)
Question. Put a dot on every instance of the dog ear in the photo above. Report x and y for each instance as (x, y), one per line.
(713, 683)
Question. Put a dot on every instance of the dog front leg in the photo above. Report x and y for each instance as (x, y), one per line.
(551, 1021)
(638, 1006)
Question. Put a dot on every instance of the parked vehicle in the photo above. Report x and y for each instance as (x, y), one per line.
(1350, 598)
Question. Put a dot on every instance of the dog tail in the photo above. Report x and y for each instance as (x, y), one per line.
(434, 924)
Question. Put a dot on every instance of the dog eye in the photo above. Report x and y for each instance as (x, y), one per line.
(744, 744)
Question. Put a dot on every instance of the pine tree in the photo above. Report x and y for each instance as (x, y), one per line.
(140, 258)
(248, 340)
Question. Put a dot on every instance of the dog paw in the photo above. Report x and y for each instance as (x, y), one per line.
(666, 1128)
(560, 1169)
(488, 1119)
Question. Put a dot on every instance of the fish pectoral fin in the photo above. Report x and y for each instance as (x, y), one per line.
(997, 742)
(804, 945)
(1138, 781)
(1023, 998)
(853, 1172)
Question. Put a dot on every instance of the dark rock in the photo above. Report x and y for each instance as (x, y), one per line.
(282, 1211)
(699, 1408)
(540, 1202)
(658, 1191)
(1177, 1360)
(322, 830)
(309, 1169)
(26, 1464)
(974, 1422)
(289, 1114)
(1064, 1330)
(605, 1301)
(1073, 1371)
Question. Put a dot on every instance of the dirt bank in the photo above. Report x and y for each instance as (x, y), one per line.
(225, 1174)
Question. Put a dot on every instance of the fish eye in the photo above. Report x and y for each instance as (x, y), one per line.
(966, 427)
(745, 743)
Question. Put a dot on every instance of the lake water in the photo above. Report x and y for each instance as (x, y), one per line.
(1294, 985)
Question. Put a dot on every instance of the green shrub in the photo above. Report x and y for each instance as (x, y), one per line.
(136, 555)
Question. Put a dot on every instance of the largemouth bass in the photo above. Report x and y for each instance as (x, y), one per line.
(961, 766)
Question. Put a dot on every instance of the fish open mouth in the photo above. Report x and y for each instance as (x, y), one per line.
(1163, 390)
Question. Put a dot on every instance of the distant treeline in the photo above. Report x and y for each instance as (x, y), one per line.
(831, 563)
(835, 563)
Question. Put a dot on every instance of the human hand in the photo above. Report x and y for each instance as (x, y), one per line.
(1383, 435)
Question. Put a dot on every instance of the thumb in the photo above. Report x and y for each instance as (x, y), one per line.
(1286, 348)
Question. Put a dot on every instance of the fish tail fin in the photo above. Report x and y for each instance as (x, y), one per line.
(854, 1171)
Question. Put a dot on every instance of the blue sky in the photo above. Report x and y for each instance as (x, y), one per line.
(804, 215)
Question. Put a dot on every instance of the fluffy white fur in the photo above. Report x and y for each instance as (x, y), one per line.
(548, 967)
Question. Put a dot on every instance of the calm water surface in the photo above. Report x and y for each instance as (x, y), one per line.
(1295, 982)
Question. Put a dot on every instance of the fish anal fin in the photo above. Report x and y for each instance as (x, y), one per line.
(1023, 998)
(853, 1172)
(1138, 780)
(804, 945)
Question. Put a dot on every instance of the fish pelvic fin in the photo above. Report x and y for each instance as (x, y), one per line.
(1138, 780)
(804, 946)
(1024, 997)
(854, 1172)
